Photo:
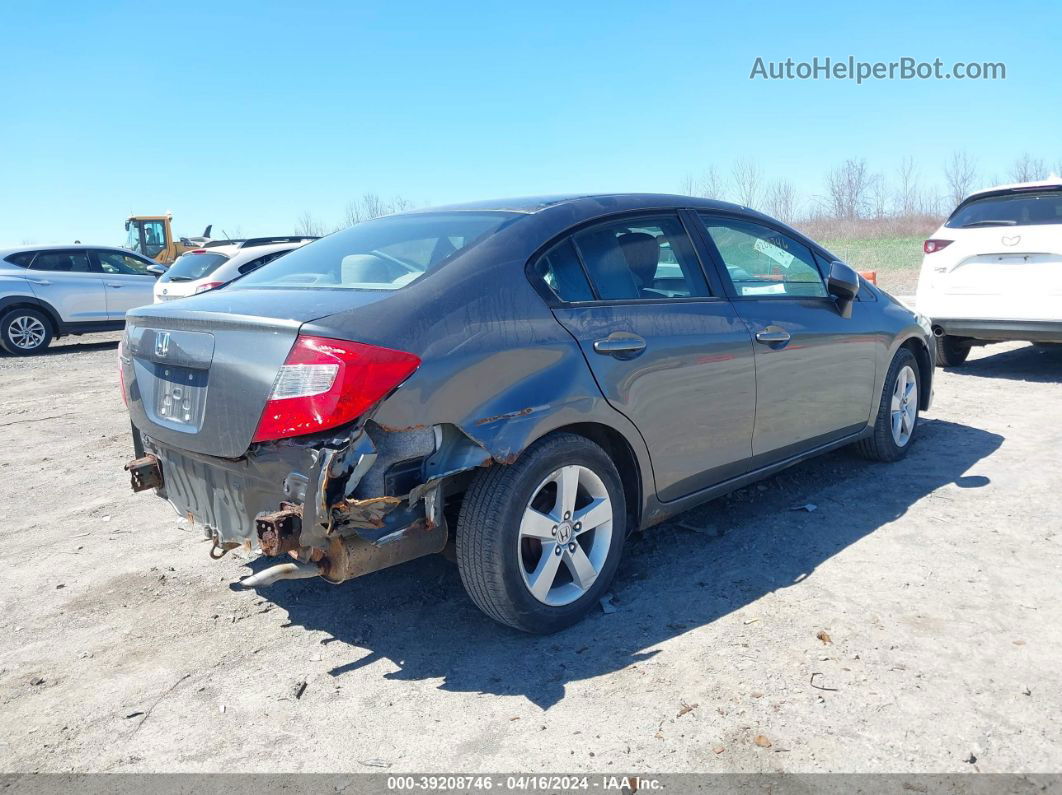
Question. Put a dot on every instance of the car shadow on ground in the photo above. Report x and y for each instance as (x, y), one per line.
(1037, 363)
(687, 573)
(64, 349)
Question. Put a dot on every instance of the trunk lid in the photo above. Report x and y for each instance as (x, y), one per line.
(200, 370)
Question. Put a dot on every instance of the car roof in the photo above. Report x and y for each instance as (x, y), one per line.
(71, 247)
(1053, 181)
(236, 251)
(609, 201)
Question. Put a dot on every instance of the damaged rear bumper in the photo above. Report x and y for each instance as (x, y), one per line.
(324, 503)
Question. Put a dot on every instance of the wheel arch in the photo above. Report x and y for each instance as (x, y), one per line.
(26, 302)
(623, 456)
(925, 369)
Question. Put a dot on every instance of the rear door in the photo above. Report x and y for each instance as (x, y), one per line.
(127, 282)
(67, 281)
(815, 370)
(666, 350)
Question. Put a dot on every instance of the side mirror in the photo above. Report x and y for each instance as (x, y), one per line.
(156, 270)
(843, 284)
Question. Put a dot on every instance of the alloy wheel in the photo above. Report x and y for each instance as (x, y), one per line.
(904, 405)
(26, 332)
(565, 535)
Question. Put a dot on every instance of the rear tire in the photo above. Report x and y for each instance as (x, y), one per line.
(951, 351)
(516, 568)
(25, 332)
(897, 420)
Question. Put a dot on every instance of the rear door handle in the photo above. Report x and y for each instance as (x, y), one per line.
(622, 345)
(113, 284)
(773, 335)
(39, 281)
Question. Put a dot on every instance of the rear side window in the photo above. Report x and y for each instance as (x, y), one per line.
(382, 254)
(642, 258)
(258, 262)
(21, 258)
(62, 262)
(559, 268)
(764, 263)
(1014, 209)
(194, 265)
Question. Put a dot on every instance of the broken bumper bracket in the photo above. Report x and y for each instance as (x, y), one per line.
(145, 473)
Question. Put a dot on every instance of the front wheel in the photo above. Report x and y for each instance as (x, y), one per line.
(538, 542)
(897, 416)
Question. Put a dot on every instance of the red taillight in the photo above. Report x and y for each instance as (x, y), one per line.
(325, 383)
(205, 286)
(931, 245)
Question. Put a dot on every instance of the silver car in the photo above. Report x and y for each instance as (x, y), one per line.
(50, 291)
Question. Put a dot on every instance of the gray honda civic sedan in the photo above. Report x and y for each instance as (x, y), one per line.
(529, 379)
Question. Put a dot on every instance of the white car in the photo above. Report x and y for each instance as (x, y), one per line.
(219, 262)
(993, 271)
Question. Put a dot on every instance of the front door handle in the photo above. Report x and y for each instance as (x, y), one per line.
(113, 284)
(773, 335)
(621, 344)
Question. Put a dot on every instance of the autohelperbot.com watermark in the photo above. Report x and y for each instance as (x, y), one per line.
(851, 68)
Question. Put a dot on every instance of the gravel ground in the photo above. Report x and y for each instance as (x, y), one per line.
(911, 622)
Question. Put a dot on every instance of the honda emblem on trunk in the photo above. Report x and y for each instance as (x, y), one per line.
(1011, 241)
(162, 343)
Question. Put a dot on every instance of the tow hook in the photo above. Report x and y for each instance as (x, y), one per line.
(278, 531)
(145, 473)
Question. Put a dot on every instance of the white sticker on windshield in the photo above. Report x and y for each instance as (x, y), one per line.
(781, 256)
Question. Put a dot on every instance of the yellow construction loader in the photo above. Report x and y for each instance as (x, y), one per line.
(152, 236)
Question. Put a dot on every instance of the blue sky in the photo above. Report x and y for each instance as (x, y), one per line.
(248, 114)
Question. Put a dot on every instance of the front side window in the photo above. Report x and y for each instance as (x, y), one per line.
(116, 262)
(1014, 209)
(642, 258)
(764, 263)
(62, 262)
(382, 254)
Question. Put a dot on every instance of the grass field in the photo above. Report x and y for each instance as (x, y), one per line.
(896, 259)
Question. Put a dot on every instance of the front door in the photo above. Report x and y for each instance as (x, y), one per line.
(675, 359)
(815, 370)
(126, 281)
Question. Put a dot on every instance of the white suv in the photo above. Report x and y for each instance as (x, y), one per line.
(219, 262)
(993, 271)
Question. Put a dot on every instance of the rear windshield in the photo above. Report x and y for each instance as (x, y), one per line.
(382, 254)
(1012, 209)
(194, 265)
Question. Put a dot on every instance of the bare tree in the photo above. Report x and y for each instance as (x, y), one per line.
(846, 188)
(713, 184)
(878, 196)
(688, 186)
(959, 174)
(781, 200)
(307, 225)
(748, 181)
(1028, 168)
(906, 187)
(370, 206)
